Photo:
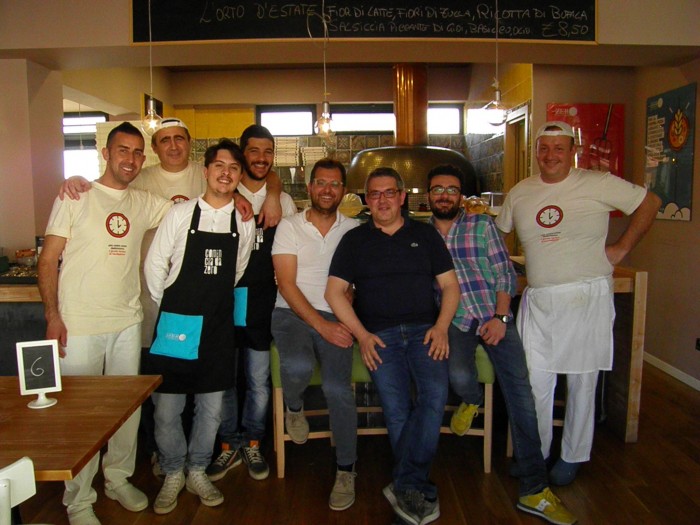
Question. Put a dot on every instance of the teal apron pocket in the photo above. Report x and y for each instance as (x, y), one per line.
(178, 336)
(240, 306)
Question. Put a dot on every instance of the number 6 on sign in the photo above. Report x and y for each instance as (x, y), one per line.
(39, 371)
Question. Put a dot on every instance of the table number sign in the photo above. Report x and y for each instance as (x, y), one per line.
(39, 371)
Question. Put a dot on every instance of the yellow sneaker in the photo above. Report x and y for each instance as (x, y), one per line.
(546, 505)
(462, 418)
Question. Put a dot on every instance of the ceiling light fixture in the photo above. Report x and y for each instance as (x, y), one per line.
(323, 127)
(496, 111)
(151, 119)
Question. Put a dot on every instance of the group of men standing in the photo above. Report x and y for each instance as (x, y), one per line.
(418, 298)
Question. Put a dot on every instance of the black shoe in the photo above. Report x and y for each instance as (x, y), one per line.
(227, 460)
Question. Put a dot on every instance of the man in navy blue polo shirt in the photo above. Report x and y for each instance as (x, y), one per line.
(393, 261)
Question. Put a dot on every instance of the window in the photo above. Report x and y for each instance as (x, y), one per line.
(80, 156)
(478, 123)
(443, 119)
(363, 118)
(287, 120)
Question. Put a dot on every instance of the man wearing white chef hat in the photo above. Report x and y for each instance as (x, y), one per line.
(566, 314)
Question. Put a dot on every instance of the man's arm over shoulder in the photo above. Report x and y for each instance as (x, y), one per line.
(271, 211)
(640, 222)
(73, 186)
(48, 288)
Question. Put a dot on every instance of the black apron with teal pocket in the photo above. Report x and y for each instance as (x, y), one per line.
(261, 293)
(194, 342)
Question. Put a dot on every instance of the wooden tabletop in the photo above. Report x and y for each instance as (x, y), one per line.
(61, 439)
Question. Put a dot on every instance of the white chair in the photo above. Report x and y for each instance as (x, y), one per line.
(17, 484)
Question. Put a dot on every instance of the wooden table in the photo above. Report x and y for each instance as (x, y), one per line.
(63, 438)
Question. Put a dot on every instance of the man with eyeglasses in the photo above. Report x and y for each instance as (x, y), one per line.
(487, 282)
(304, 327)
(403, 334)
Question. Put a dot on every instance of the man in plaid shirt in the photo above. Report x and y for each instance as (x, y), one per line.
(487, 282)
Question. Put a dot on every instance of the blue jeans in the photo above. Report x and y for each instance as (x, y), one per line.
(413, 424)
(175, 454)
(300, 347)
(508, 358)
(257, 396)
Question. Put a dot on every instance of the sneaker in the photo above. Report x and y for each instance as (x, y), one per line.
(155, 467)
(257, 466)
(297, 426)
(412, 506)
(84, 517)
(431, 511)
(166, 500)
(128, 497)
(563, 472)
(343, 493)
(227, 460)
(198, 483)
(462, 418)
(390, 496)
(547, 506)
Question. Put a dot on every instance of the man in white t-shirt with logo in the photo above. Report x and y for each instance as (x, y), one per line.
(92, 306)
(566, 314)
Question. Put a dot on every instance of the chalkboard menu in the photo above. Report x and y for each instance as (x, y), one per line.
(210, 20)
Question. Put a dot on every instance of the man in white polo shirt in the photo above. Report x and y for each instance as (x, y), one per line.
(566, 314)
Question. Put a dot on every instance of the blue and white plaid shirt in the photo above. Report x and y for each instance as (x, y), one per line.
(483, 267)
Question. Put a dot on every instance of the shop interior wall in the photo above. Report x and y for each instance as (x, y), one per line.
(31, 145)
(671, 249)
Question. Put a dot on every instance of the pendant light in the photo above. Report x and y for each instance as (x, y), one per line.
(151, 119)
(496, 112)
(323, 127)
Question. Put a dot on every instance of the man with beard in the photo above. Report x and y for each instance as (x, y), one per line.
(256, 290)
(304, 327)
(487, 282)
(92, 307)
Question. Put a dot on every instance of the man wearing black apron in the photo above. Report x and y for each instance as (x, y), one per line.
(255, 300)
(200, 250)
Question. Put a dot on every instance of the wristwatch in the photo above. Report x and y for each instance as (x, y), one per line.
(503, 318)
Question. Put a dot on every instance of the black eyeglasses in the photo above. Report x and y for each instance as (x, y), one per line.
(375, 195)
(335, 184)
(450, 190)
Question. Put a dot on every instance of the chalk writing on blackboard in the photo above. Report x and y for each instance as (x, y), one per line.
(188, 20)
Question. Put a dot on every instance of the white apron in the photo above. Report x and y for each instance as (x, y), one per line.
(567, 328)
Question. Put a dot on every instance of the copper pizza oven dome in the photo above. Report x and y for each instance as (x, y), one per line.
(411, 156)
(412, 162)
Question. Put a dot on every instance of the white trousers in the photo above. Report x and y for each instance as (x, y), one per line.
(577, 438)
(116, 353)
